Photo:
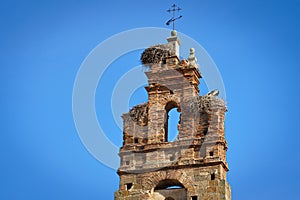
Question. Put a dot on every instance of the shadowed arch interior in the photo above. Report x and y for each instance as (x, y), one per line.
(168, 183)
(169, 198)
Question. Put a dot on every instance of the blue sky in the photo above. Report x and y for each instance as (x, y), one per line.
(255, 45)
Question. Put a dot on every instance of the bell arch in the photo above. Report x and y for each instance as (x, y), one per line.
(171, 120)
(168, 184)
(155, 178)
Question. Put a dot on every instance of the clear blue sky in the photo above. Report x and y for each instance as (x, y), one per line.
(255, 45)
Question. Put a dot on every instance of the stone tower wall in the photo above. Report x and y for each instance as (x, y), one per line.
(195, 163)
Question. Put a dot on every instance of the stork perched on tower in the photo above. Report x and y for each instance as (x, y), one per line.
(213, 93)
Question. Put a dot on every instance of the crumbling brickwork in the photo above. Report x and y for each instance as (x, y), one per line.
(194, 165)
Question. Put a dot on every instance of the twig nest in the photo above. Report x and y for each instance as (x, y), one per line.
(154, 55)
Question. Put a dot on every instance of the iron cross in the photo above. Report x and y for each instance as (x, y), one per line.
(173, 19)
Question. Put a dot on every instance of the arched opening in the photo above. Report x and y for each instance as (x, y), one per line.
(168, 184)
(170, 189)
(169, 198)
(204, 123)
(172, 121)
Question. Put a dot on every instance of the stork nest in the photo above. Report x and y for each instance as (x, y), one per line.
(139, 114)
(155, 54)
(204, 103)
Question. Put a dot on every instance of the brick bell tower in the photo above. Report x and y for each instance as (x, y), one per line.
(193, 166)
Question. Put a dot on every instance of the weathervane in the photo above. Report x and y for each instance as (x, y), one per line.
(173, 19)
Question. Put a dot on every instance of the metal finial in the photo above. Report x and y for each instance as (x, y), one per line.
(174, 18)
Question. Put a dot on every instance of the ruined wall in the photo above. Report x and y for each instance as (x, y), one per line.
(196, 160)
(197, 182)
(200, 138)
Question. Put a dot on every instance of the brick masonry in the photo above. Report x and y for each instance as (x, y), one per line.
(191, 167)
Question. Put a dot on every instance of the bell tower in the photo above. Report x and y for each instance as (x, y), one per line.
(193, 166)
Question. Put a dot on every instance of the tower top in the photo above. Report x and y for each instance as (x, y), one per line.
(174, 18)
(174, 42)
